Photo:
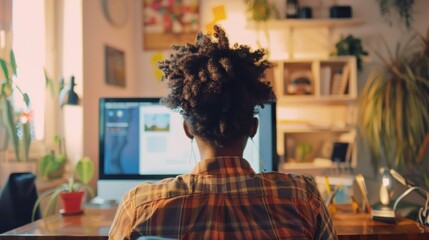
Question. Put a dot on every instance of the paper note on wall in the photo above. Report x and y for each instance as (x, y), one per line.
(155, 58)
(218, 15)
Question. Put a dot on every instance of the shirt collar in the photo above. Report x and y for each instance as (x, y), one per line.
(227, 165)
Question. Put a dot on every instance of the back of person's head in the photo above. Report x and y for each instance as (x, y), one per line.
(217, 87)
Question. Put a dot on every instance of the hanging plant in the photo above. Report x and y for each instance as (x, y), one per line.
(403, 7)
(261, 10)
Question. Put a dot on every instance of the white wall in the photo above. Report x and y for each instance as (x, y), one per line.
(141, 80)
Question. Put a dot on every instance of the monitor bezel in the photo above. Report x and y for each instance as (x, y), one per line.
(103, 101)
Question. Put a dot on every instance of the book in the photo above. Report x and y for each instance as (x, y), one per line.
(340, 81)
(325, 80)
(336, 84)
(345, 75)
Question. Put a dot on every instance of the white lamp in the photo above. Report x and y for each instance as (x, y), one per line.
(383, 212)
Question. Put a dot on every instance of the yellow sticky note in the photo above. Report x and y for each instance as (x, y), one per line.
(210, 28)
(157, 57)
(219, 13)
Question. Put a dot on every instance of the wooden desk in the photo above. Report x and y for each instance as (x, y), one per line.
(350, 226)
(95, 224)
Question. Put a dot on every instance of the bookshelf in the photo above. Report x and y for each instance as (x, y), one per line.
(316, 94)
(322, 80)
(319, 96)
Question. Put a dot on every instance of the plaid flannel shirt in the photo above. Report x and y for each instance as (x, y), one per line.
(223, 198)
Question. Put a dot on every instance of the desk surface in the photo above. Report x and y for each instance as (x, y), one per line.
(95, 223)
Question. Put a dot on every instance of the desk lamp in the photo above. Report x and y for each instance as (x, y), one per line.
(383, 212)
(423, 216)
(386, 213)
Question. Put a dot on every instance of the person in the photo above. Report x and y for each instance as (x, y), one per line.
(217, 89)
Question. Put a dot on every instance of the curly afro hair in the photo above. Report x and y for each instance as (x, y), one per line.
(216, 87)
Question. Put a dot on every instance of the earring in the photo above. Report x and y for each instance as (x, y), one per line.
(192, 152)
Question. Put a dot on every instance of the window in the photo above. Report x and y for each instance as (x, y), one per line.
(29, 45)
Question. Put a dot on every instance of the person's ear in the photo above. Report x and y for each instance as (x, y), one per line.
(187, 131)
(253, 127)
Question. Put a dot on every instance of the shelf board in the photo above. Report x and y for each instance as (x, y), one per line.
(332, 99)
(309, 129)
(312, 23)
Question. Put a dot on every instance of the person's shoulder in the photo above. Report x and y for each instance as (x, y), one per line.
(298, 182)
(146, 192)
(290, 177)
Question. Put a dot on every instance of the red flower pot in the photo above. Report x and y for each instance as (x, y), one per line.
(72, 202)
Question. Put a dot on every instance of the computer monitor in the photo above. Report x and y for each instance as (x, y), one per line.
(142, 140)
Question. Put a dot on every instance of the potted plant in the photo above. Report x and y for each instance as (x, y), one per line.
(351, 45)
(71, 193)
(52, 164)
(394, 111)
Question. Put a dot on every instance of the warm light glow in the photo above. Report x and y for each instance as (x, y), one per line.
(384, 193)
(29, 47)
(386, 181)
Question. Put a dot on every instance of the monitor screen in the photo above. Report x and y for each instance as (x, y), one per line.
(142, 139)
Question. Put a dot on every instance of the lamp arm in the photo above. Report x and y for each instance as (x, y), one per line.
(403, 195)
(407, 183)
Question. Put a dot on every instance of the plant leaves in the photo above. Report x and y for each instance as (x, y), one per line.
(84, 170)
(26, 99)
(13, 63)
(5, 70)
(49, 83)
(10, 113)
(37, 203)
(53, 200)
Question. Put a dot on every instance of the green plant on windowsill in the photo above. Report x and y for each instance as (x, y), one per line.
(52, 164)
(70, 193)
(16, 120)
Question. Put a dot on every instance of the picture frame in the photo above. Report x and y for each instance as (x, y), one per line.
(169, 22)
(114, 66)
